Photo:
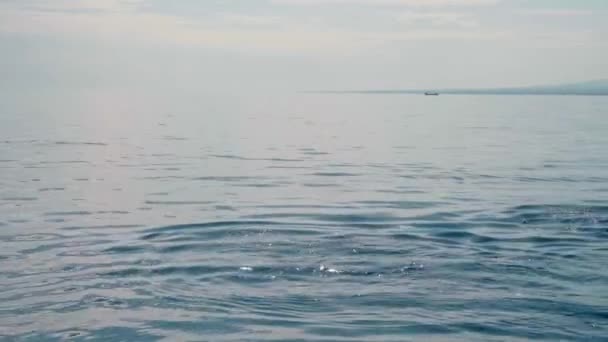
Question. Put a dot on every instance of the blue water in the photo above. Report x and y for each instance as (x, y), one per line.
(304, 217)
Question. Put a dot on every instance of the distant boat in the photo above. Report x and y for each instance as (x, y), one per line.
(431, 93)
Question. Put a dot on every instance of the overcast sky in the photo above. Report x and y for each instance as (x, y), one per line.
(300, 44)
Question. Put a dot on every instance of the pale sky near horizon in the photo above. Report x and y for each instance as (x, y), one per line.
(300, 44)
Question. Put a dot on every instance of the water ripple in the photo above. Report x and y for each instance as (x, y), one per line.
(315, 222)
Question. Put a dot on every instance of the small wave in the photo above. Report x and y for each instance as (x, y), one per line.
(335, 174)
(69, 213)
(178, 202)
(80, 143)
(51, 189)
(20, 199)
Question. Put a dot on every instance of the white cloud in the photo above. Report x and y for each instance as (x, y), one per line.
(461, 20)
(557, 12)
(80, 5)
(410, 3)
(119, 20)
(162, 29)
(249, 21)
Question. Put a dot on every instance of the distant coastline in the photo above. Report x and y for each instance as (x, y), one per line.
(590, 88)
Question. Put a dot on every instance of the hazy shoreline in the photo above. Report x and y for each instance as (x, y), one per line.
(589, 88)
(408, 92)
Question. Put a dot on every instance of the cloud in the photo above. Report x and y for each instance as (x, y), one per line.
(449, 19)
(249, 21)
(557, 12)
(150, 28)
(71, 6)
(270, 33)
(409, 3)
(120, 20)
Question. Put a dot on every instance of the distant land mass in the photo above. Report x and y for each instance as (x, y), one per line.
(595, 87)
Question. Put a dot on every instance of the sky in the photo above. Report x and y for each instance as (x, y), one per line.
(239, 45)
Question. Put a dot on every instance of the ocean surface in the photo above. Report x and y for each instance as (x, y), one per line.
(304, 217)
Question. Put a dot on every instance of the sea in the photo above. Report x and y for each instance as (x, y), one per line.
(304, 217)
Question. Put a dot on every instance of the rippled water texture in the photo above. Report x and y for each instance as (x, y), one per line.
(305, 217)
